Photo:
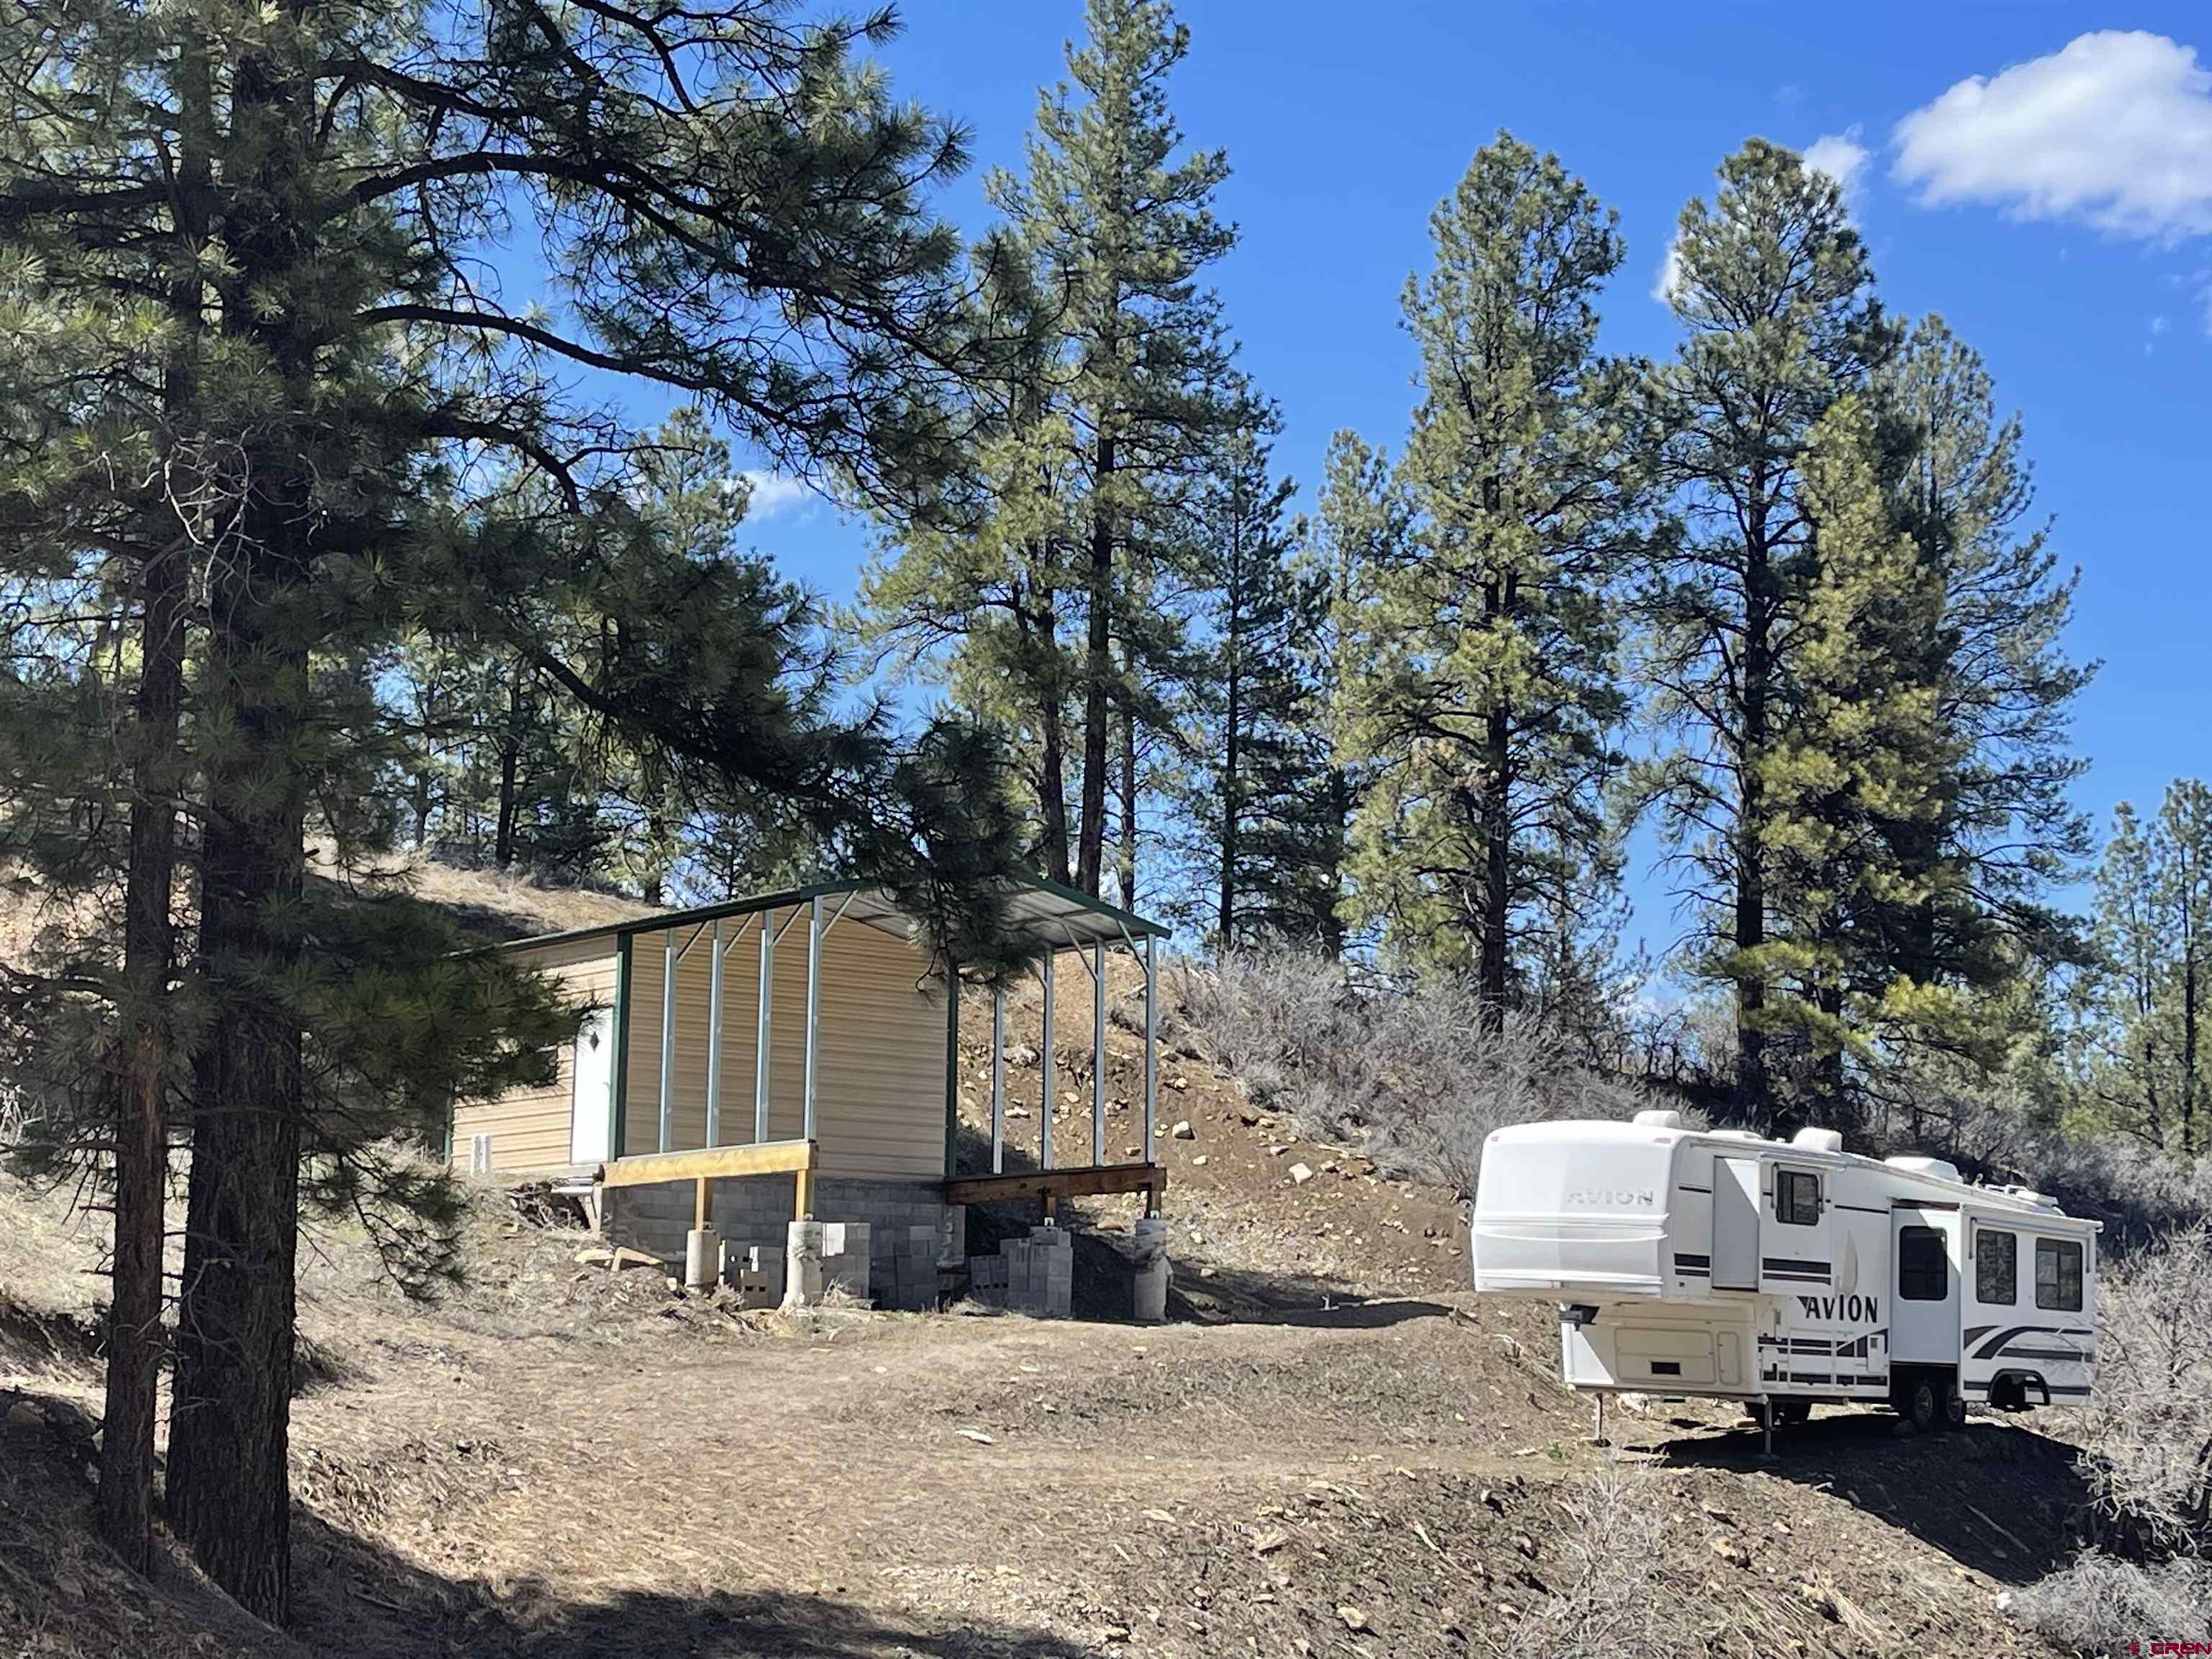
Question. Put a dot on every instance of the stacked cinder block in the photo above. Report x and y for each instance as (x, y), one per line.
(1040, 1272)
(845, 1257)
(755, 1272)
(986, 1279)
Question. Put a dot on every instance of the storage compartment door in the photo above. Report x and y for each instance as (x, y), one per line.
(1735, 1224)
(1656, 1356)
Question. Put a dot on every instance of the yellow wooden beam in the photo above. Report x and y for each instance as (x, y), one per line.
(709, 1163)
(1057, 1184)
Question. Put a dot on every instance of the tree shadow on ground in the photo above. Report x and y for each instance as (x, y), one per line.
(1999, 1498)
(39, 1340)
(354, 1598)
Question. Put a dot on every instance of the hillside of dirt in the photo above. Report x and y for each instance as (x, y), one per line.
(1333, 1450)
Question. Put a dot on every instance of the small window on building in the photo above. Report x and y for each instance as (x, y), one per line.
(2059, 1274)
(1797, 1198)
(1923, 1270)
(1997, 1267)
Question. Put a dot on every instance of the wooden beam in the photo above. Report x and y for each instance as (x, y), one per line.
(709, 1163)
(1059, 1183)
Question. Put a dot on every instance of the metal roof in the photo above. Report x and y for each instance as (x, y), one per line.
(1042, 912)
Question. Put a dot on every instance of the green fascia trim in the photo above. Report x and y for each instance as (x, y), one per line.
(1137, 926)
(618, 1109)
(952, 1075)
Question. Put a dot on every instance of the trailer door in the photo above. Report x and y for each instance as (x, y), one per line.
(1794, 1255)
(1735, 1224)
(1925, 1260)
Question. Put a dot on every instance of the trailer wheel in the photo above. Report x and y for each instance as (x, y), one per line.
(1920, 1403)
(1791, 1414)
(1955, 1405)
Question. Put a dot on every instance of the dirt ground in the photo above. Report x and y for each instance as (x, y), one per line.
(1333, 1451)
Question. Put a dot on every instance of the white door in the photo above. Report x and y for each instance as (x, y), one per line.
(1793, 1250)
(591, 1088)
(1924, 1266)
(1735, 1224)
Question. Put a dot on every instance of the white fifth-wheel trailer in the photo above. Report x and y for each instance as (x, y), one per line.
(1719, 1263)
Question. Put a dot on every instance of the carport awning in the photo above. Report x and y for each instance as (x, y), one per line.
(1040, 912)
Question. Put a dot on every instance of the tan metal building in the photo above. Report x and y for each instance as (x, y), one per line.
(786, 1057)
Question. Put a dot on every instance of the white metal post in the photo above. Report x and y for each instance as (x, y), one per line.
(813, 1004)
(1151, 1043)
(999, 1080)
(714, 1041)
(760, 1045)
(1044, 1064)
(1097, 1053)
(668, 1042)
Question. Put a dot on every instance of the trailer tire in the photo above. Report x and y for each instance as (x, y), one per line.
(1920, 1401)
(1955, 1405)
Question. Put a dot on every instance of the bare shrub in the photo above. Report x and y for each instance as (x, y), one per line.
(1411, 1075)
(2147, 1432)
(1602, 1599)
(2100, 1604)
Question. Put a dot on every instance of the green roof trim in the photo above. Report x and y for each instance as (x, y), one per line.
(1135, 926)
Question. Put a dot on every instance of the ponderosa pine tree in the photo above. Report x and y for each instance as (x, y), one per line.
(1361, 525)
(1487, 695)
(1259, 793)
(728, 208)
(1770, 285)
(1855, 783)
(2147, 1069)
(1962, 491)
(1120, 231)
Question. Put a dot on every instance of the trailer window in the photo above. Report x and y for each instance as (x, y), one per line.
(1797, 1197)
(1997, 1267)
(2059, 1274)
(1923, 1270)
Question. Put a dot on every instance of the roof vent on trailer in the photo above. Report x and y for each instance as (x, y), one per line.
(1818, 1140)
(1658, 1120)
(1738, 1134)
(1938, 1169)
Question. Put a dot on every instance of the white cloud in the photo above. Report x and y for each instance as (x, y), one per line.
(771, 493)
(2115, 130)
(1670, 275)
(2158, 326)
(1840, 156)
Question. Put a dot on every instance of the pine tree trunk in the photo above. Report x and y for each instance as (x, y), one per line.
(510, 762)
(1753, 1092)
(229, 1425)
(1052, 791)
(1098, 674)
(142, 1139)
(142, 1163)
(1497, 867)
(2189, 1044)
(230, 1418)
(1232, 807)
(1500, 600)
(1127, 867)
(1044, 641)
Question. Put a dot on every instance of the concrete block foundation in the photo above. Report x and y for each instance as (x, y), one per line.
(753, 1212)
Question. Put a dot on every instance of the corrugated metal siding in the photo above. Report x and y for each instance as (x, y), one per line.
(528, 1128)
(880, 1098)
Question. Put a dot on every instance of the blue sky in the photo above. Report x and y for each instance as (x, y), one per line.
(2058, 214)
